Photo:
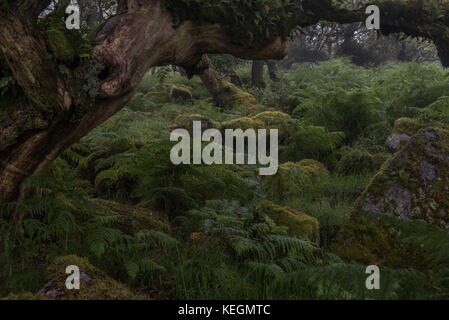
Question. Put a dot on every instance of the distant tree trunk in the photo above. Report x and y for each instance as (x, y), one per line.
(402, 56)
(257, 74)
(272, 70)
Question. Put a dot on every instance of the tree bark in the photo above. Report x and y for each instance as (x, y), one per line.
(257, 76)
(272, 70)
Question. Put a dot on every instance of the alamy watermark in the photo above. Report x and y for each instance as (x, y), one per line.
(218, 153)
(73, 281)
(373, 20)
(73, 20)
(373, 280)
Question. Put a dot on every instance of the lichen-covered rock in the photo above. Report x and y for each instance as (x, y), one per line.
(134, 218)
(395, 141)
(94, 283)
(409, 126)
(298, 223)
(355, 162)
(413, 184)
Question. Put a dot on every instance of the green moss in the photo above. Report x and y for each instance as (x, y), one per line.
(313, 168)
(94, 284)
(379, 159)
(137, 218)
(292, 178)
(60, 46)
(436, 112)
(236, 100)
(299, 224)
(272, 117)
(248, 23)
(185, 121)
(160, 94)
(411, 185)
(275, 120)
(242, 123)
(409, 126)
(25, 296)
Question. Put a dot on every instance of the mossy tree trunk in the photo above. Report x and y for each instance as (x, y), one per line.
(225, 94)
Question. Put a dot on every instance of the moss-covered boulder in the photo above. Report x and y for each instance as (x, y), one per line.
(396, 141)
(265, 120)
(415, 182)
(298, 223)
(412, 185)
(292, 178)
(136, 218)
(185, 121)
(94, 283)
(272, 118)
(409, 126)
(275, 120)
(314, 169)
(242, 123)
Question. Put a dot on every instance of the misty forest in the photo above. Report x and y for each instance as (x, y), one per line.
(86, 177)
